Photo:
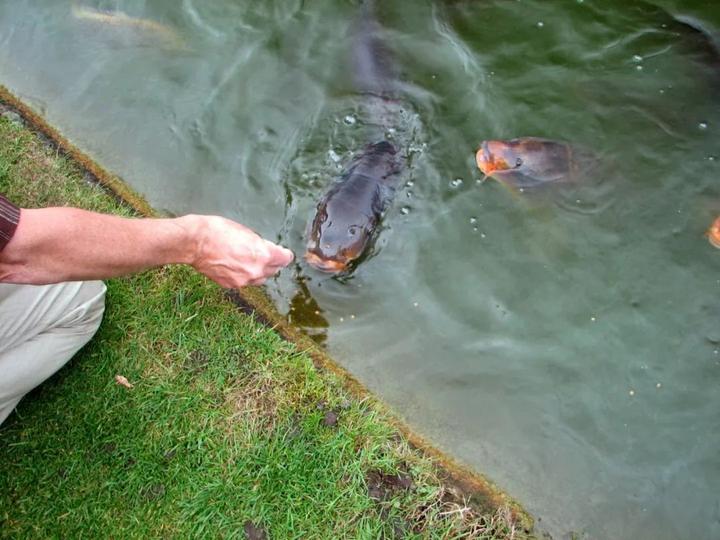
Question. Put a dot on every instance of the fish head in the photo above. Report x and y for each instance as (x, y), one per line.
(337, 239)
(525, 162)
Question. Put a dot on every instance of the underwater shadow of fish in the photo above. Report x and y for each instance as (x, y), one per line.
(348, 216)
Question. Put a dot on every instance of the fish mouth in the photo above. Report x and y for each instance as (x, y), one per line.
(332, 266)
(486, 161)
(713, 233)
(481, 158)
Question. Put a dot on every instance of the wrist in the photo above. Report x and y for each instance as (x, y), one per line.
(192, 239)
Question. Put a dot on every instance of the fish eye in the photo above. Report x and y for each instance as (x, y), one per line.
(518, 162)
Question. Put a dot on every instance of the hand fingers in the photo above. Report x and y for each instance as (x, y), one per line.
(279, 256)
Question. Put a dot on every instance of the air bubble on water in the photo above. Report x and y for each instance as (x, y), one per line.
(637, 58)
(540, 24)
(521, 190)
(333, 156)
(342, 319)
(415, 304)
(482, 235)
(475, 229)
(711, 158)
(350, 120)
(473, 220)
(409, 183)
(456, 183)
(631, 392)
(409, 194)
(405, 210)
(391, 130)
(658, 385)
(593, 319)
(639, 68)
(662, 91)
(703, 125)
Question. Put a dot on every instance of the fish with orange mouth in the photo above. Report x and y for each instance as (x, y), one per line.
(348, 215)
(713, 233)
(531, 162)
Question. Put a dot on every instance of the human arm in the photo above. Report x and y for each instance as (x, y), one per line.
(67, 244)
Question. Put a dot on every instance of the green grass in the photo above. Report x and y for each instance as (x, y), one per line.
(226, 433)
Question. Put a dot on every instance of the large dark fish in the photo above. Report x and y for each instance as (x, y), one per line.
(348, 215)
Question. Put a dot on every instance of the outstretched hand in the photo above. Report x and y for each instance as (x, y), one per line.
(233, 255)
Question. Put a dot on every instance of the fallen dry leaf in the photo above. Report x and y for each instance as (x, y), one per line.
(122, 381)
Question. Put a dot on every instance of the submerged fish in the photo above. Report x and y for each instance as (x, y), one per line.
(713, 233)
(119, 19)
(348, 216)
(530, 162)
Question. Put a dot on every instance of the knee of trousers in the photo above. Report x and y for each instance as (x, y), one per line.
(91, 300)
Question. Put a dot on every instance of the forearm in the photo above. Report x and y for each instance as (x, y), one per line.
(65, 244)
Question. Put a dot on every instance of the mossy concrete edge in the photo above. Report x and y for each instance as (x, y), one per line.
(476, 488)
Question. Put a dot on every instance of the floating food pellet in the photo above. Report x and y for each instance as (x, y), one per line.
(415, 304)
(592, 319)
(456, 183)
(658, 385)
(342, 319)
(631, 392)
(703, 125)
(350, 120)
(405, 210)
(540, 24)
(352, 316)
(637, 58)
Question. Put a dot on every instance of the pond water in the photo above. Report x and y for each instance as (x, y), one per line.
(567, 345)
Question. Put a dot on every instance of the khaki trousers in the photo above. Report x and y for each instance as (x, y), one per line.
(41, 328)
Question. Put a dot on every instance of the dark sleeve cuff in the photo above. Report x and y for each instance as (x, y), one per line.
(9, 218)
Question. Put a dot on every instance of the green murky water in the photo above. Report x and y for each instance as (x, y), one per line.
(567, 346)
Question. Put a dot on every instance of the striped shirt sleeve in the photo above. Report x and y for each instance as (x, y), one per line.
(9, 218)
